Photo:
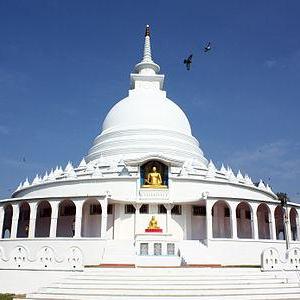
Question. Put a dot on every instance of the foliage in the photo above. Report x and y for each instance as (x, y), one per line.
(6, 296)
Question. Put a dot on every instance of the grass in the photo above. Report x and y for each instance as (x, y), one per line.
(6, 296)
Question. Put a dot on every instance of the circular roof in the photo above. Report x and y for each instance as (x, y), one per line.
(147, 111)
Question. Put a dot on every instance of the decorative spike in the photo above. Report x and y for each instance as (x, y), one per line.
(26, 183)
(45, 176)
(124, 172)
(248, 180)
(121, 163)
(69, 167)
(20, 186)
(57, 172)
(82, 164)
(239, 176)
(211, 165)
(71, 173)
(36, 180)
(97, 172)
(261, 185)
(90, 167)
(223, 169)
(51, 175)
(268, 188)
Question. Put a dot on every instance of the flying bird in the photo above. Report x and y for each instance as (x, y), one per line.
(207, 47)
(188, 62)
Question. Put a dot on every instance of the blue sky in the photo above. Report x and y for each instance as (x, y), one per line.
(63, 64)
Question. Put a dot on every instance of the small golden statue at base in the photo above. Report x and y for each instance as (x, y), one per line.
(153, 180)
(153, 227)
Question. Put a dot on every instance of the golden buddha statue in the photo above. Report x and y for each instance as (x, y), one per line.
(154, 180)
(153, 223)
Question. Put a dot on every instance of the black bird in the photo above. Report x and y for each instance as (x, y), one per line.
(207, 47)
(188, 62)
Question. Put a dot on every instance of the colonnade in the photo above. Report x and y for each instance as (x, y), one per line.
(251, 220)
(55, 218)
(229, 219)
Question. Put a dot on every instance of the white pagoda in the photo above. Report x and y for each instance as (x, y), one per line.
(145, 195)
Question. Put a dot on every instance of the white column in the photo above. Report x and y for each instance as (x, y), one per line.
(137, 207)
(32, 221)
(287, 225)
(168, 207)
(209, 230)
(54, 216)
(273, 223)
(298, 224)
(1, 219)
(15, 218)
(254, 220)
(104, 203)
(233, 206)
(78, 218)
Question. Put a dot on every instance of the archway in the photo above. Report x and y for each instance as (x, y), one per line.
(244, 221)
(43, 219)
(7, 221)
(66, 219)
(294, 219)
(279, 222)
(91, 218)
(23, 221)
(263, 222)
(221, 220)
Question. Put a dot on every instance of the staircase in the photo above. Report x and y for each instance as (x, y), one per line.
(173, 283)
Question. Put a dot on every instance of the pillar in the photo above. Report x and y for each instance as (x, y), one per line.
(2, 212)
(287, 226)
(209, 229)
(233, 206)
(168, 207)
(78, 218)
(273, 223)
(15, 219)
(104, 203)
(32, 220)
(254, 220)
(137, 207)
(54, 216)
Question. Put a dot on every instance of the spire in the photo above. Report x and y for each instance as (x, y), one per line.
(147, 65)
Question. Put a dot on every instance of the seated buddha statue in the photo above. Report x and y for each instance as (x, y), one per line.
(154, 180)
(153, 223)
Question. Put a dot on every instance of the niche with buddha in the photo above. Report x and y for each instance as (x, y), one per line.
(154, 174)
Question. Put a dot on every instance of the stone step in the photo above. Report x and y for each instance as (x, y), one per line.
(198, 281)
(165, 286)
(171, 294)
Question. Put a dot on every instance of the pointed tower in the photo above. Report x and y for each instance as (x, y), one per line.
(146, 123)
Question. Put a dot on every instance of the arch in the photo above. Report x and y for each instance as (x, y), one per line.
(7, 221)
(294, 223)
(43, 219)
(244, 221)
(221, 220)
(147, 168)
(91, 218)
(263, 215)
(66, 219)
(23, 221)
(279, 222)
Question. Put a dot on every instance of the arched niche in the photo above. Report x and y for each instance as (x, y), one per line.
(91, 218)
(244, 221)
(279, 222)
(23, 222)
(43, 219)
(221, 220)
(294, 224)
(66, 219)
(148, 168)
(263, 222)
(7, 221)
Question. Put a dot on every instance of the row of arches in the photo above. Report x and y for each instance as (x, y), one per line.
(65, 227)
(223, 228)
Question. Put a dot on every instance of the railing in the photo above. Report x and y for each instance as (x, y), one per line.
(154, 194)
